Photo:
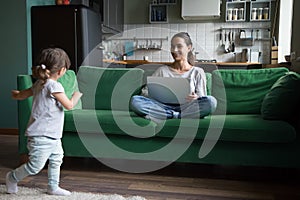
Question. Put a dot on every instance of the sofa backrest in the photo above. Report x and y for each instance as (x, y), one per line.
(244, 89)
(149, 69)
(24, 107)
(69, 82)
(108, 88)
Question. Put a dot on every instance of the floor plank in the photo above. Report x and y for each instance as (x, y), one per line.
(175, 182)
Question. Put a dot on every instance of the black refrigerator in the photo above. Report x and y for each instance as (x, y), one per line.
(74, 28)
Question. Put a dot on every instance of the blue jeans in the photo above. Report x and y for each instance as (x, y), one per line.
(198, 108)
(42, 149)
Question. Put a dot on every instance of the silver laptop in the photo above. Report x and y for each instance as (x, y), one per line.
(168, 89)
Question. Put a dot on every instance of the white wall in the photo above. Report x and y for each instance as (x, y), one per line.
(205, 38)
(285, 29)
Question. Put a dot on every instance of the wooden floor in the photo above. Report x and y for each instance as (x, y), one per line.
(178, 181)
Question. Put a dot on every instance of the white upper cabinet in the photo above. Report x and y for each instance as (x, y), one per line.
(200, 9)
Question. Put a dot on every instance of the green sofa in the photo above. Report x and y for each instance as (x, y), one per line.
(240, 132)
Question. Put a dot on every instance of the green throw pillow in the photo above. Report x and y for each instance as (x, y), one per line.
(69, 82)
(282, 101)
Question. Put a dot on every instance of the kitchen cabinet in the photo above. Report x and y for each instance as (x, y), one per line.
(158, 13)
(158, 10)
(112, 13)
(235, 11)
(200, 9)
(260, 10)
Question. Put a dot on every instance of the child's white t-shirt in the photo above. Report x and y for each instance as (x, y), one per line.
(47, 115)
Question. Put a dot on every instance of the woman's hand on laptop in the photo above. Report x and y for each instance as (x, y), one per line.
(192, 97)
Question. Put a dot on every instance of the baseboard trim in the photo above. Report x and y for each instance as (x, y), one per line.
(9, 131)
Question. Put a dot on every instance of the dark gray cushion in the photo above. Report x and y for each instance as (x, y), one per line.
(282, 101)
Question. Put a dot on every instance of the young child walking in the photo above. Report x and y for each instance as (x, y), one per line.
(45, 126)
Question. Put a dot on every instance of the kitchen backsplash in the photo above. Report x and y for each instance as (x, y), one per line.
(153, 41)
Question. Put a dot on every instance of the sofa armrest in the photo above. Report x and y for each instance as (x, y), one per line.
(24, 110)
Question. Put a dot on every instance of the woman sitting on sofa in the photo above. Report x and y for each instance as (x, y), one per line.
(198, 103)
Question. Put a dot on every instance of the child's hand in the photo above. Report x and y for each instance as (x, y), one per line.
(77, 95)
(65, 101)
(15, 94)
(20, 95)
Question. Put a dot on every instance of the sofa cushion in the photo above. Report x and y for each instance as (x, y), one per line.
(244, 89)
(282, 101)
(108, 122)
(108, 88)
(236, 128)
(69, 82)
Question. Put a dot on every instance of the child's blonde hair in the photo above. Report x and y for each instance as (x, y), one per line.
(50, 61)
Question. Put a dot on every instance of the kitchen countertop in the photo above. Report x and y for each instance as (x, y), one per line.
(236, 63)
(125, 62)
